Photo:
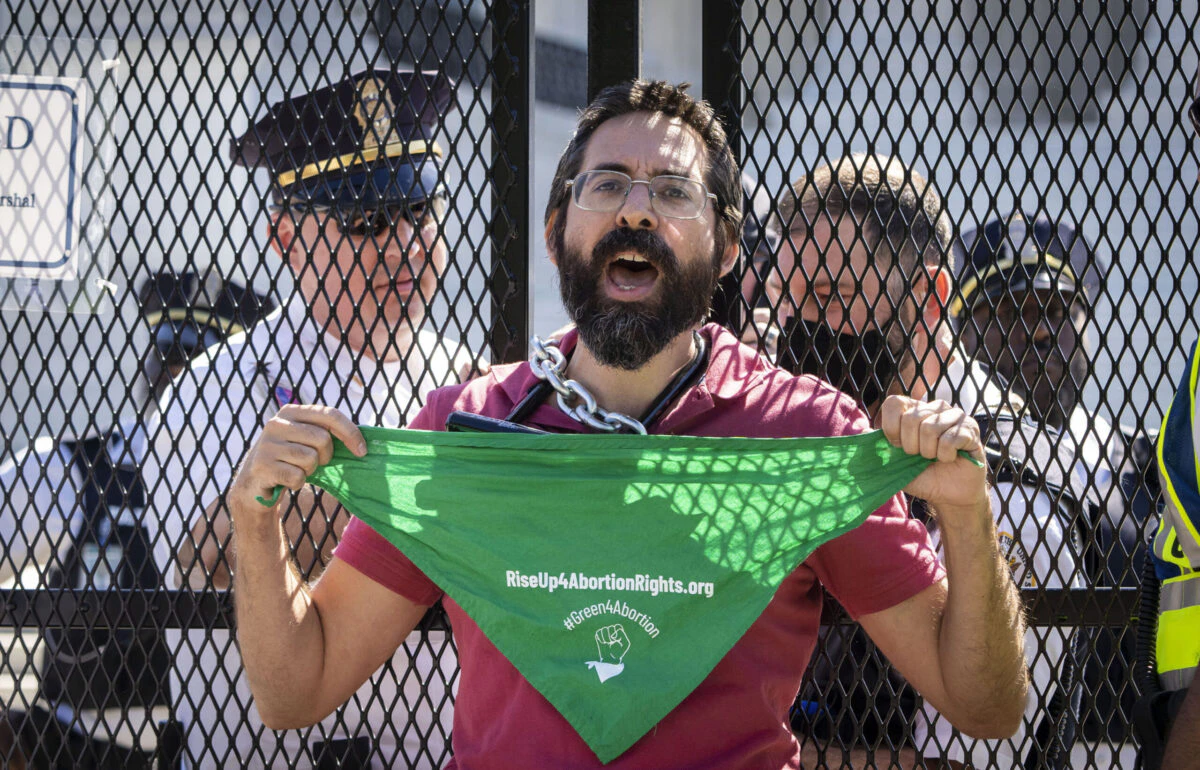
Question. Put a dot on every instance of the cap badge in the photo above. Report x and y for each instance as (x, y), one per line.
(374, 112)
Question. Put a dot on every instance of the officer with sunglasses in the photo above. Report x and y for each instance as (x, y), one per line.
(357, 202)
(102, 699)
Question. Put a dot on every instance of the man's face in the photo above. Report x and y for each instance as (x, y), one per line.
(367, 285)
(827, 276)
(633, 280)
(1035, 341)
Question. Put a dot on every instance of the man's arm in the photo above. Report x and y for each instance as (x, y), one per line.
(1183, 742)
(312, 521)
(305, 649)
(960, 642)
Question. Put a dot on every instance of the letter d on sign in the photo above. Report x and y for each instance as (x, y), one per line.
(10, 140)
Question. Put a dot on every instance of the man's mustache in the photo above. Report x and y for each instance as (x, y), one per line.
(645, 242)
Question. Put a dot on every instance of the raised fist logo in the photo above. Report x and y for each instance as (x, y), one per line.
(612, 643)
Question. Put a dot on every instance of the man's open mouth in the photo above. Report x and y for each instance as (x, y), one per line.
(631, 272)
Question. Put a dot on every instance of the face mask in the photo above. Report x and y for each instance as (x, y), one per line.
(860, 365)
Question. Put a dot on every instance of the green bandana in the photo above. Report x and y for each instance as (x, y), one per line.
(613, 571)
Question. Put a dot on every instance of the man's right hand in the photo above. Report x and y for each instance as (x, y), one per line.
(293, 444)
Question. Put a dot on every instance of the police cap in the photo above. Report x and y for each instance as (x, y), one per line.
(1016, 255)
(365, 140)
(187, 314)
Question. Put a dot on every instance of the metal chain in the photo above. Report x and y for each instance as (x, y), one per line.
(549, 364)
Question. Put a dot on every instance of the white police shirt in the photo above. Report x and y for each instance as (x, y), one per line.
(1031, 537)
(41, 511)
(210, 417)
(1097, 456)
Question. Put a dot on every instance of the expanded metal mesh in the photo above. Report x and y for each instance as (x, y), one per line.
(164, 90)
(1071, 112)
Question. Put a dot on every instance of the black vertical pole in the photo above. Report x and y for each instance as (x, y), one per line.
(721, 35)
(720, 38)
(511, 175)
(614, 43)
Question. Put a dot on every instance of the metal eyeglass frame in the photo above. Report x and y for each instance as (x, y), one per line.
(630, 182)
(344, 229)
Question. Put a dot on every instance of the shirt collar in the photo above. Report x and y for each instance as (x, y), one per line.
(733, 370)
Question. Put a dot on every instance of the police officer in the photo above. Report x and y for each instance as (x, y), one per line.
(358, 200)
(1172, 708)
(102, 695)
(1028, 293)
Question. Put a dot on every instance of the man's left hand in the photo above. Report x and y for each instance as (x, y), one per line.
(938, 431)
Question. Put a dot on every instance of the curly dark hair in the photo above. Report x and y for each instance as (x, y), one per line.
(722, 176)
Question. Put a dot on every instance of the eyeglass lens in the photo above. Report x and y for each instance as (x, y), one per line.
(670, 196)
(378, 222)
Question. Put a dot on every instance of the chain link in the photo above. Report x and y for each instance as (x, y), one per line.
(549, 363)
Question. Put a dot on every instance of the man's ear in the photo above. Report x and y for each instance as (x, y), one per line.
(937, 298)
(549, 237)
(281, 233)
(733, 249)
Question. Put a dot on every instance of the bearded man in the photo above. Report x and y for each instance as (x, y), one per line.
(644, 216)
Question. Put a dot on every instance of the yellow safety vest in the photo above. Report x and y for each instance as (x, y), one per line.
(1177, 542)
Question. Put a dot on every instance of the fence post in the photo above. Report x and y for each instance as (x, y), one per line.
(721, 33)
(511, 173)
(614, 43)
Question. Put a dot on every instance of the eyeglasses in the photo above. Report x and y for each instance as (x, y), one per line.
(360, 222)
(671, 196)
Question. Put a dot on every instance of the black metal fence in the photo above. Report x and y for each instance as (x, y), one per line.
(1075, 113)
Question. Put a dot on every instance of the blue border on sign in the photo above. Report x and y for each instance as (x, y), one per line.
(71, 179)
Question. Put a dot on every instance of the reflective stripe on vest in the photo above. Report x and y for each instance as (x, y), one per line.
(1178, 642)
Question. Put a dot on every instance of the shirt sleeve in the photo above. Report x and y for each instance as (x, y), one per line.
(210, 414)
(370, 553)
(884, 561)
(38, 495)
(426, 418)
(881, 563)
(1033, 539)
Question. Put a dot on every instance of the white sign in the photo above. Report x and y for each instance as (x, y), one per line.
(41, 163)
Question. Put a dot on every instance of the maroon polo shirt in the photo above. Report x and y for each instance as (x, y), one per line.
(738, 716)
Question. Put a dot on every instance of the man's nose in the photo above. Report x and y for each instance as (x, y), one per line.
(1043, 332)
(637, 210)
(402, 241)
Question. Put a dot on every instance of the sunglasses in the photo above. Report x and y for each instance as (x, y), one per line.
(358, 222)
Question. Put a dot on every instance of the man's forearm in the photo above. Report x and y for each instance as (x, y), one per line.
(1183, 743)
(312, 525)
(981, 640)
(278, 627)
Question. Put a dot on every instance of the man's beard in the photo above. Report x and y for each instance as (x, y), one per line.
(626, 335)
